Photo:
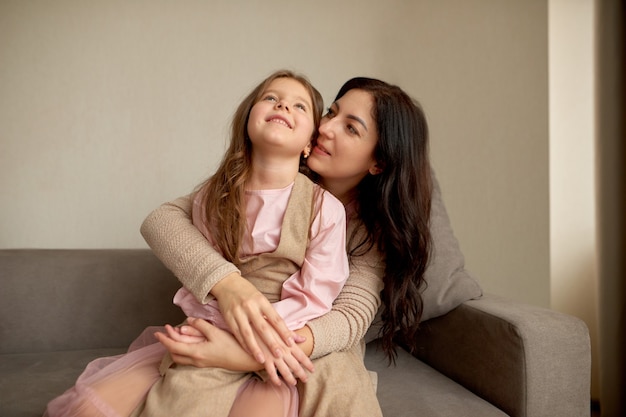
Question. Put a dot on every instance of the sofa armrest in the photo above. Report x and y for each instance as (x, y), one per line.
(526, 360)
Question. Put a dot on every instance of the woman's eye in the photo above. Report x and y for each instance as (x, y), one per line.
(329, 113)
(352, 130)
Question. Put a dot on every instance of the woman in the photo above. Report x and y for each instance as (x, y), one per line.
(372, 154)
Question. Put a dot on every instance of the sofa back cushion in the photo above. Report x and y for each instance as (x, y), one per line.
(448, 283)
(54, 300)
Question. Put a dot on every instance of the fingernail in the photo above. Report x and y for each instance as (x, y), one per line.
(260, 358)
(278, 353)
(291, 341)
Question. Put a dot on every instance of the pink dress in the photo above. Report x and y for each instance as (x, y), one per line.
(305, 295)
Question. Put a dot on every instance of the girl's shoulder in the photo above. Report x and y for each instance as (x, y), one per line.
(324, 201)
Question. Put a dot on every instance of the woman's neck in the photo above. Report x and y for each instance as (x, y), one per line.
(345, 192)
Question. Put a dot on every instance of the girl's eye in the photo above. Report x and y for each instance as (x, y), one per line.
(270, 98)
(300, 106)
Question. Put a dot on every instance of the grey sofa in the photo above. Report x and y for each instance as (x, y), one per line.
(59, 309)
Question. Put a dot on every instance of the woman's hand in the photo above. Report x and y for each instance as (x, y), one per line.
(250, 315)
(287, 362)
(201, 344)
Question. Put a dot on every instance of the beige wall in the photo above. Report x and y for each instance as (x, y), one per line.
(109, 108)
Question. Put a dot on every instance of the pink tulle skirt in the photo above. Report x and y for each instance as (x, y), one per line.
(114, 386)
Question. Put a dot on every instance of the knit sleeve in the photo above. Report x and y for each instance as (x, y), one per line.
(183, 249)
(354, 309)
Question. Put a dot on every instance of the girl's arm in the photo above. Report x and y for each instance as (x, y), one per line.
(202, 270)
(184, 250)
(310, 292)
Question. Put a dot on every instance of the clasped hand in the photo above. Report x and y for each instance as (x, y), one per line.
(201, 344)
(260, 339)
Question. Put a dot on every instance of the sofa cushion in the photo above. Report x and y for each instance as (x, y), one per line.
(110, 295)
(412, 388)
(448, 283)
(30, 380)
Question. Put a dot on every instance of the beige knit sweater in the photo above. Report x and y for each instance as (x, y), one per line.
(185, 251)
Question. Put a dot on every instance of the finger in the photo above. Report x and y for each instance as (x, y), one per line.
(204, 328)
(272, 373)
(247, 339)
(190, 331)
(175, 334)
(285, 372)
(304, 360)
(175, 348)
(278, 324)
(296, 368)
(268, 335)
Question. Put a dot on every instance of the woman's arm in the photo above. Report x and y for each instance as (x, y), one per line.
(340, 329)
(354, 309)
(181, 247)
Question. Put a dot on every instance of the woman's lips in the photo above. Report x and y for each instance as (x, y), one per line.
(320, 149)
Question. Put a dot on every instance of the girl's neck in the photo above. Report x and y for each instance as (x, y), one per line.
(268, 176)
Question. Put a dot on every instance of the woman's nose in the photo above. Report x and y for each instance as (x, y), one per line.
(326, 129)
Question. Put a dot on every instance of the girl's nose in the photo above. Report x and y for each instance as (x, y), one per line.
(282, 105)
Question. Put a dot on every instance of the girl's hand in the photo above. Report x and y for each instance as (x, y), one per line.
(204, 345)
(184, 334)
(251, 318)
(220, 349)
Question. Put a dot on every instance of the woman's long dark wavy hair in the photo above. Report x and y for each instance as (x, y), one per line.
(394, 206)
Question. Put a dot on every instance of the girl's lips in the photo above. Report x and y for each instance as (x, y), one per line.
(279, 119)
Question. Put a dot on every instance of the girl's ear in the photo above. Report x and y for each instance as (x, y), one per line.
(375, 169)
(307, 151)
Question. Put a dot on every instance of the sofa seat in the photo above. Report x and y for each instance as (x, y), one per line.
(412, 388)
(30, 380)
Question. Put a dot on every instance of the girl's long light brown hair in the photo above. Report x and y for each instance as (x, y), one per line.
(224, 191)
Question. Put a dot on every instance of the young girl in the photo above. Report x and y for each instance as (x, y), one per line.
(285, 234)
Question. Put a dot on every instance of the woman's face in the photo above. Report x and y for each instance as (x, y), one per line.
(344, 153)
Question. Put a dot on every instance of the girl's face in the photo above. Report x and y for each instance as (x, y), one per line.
(344, 152)
(281, 122)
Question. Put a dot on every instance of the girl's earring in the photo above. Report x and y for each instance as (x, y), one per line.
(375, 170)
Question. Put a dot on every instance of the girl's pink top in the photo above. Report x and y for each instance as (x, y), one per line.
(310, 292)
